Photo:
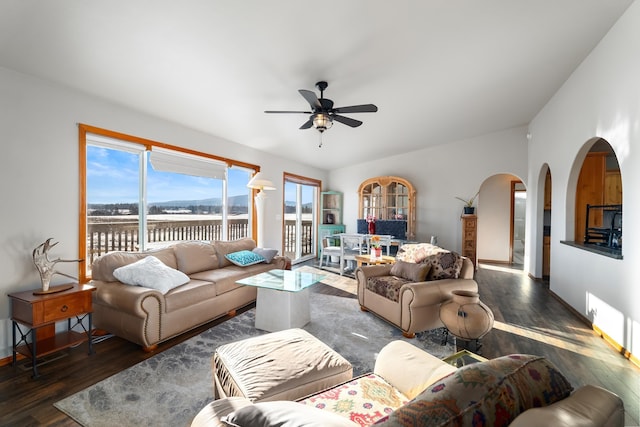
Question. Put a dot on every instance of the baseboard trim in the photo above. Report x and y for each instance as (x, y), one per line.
(9, 359)
(493, 261)
(610, 341)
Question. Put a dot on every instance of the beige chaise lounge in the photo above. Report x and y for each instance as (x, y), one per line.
(147, 316)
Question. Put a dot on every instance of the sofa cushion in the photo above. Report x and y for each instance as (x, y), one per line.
(150, 272)
(103, 267)
(363, 400)
(193, 257)
(386, 286)
(444, 265)
(416, 252)
(245, 258)
(283, 413)
(410, 271)
(223, 248)
(487, 393)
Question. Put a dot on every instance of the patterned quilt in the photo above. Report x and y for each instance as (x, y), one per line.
(363, 400)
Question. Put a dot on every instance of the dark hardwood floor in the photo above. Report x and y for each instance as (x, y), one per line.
(528, 319)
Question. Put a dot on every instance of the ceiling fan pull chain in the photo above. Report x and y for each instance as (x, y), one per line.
(320, 145)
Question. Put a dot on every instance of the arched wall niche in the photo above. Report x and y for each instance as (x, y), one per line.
(595, 180)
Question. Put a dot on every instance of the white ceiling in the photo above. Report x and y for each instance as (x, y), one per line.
(438, 70)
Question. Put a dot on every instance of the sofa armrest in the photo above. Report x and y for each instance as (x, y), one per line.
(279, 262)
(587, 406)
(210, 415)
(129, 299)
(421, 294)
(419, 368)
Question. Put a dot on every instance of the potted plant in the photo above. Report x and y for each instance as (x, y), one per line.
(469, 209)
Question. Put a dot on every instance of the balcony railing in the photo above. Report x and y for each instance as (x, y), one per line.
(108, 234)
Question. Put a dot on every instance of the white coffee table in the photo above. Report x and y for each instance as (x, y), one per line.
(283, 298)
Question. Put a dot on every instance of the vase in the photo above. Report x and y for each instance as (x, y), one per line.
(371, 227)
(469, 210)
(465, 316)
(378, 253)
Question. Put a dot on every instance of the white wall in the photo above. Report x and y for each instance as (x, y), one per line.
(439, 174)
(600, 99)
(39, 173)
(494, 218)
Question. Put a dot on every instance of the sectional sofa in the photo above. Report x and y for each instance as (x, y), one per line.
(166, 292)
(409, 387)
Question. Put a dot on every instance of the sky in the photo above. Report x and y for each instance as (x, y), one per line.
(112, 177)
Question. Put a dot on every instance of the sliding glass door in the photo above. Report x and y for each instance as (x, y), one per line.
(300, 213)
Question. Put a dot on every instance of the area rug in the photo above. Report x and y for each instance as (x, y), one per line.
(170, 388)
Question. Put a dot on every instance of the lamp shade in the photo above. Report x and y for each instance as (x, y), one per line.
(322, 122)
(258, 182)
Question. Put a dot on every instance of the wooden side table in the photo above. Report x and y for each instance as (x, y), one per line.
(366, 260)
(40, 314)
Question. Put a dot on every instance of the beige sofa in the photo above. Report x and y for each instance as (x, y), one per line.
(411, 299)
(516, 390)
(147, 316)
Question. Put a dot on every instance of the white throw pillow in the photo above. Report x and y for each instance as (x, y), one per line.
(152, 273)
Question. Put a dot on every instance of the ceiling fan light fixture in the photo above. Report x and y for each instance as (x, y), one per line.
(322, 122)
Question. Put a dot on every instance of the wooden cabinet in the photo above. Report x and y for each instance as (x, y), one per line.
(612, 188)
(470, 238)
(389, 198)
(40, 312)
(590, 191)
(546, 256)
(547, 191)
(331, 207)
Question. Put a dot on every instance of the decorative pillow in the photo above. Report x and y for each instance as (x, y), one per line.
(410, 271)
(416, 252)
(363, 400)
(284, 413)
(245, 258)
(444, 265)
(489, 393)
(226, 247)
(150, 272)
(267, 253)
(104, 266)
(194, 257)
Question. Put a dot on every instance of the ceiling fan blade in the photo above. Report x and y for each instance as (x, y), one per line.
(365, 108)
(307, 124)
(289, 112)
(311, 98)
(347, 121)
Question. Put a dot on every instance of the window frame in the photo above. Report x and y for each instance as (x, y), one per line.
(84, 130)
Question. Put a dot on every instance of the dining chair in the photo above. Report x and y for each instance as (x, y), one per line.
(351, 245)
(328, 249)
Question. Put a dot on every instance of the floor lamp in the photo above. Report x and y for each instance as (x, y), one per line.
(262, 185)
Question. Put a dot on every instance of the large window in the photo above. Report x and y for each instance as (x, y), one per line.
(139, 195)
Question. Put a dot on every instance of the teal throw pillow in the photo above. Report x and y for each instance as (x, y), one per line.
(245, 258)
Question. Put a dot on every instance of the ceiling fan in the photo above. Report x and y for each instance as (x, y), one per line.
(323, 113)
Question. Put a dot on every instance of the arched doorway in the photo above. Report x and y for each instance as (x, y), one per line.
(501, 220)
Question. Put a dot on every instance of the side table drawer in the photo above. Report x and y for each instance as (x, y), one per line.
(63, 308)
